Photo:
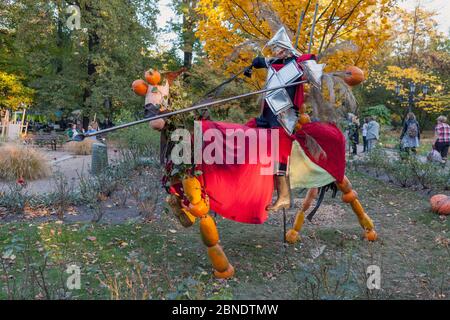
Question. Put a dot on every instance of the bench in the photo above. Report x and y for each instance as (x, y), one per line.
(48, 139)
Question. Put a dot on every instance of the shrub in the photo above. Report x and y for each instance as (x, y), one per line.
(382, 114)
(14, 199)
(82, 148)
(19, 161)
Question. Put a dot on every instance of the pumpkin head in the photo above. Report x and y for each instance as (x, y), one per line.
(139, 87)
(353, 76)
(153, 77)
(437, 201)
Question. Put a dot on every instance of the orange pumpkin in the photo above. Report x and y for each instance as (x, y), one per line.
(186, 219)
(200, 209)
(304, 118)
(192, 189)
(437, 201)
(444, 209)
(345, 186)
(353, 76)
(349, 197)
(208, 230)
(229, 273)
(139, 87)
(153, 77)
(371, 235)
(292, 236)
(218, 258)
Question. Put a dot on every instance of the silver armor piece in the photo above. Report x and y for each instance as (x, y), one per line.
(279, 100)
(314, 72)
(288, 120)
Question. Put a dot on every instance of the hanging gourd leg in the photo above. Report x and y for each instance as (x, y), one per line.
(210, 236)
(351, 197)
(199, 207)
(292, 234)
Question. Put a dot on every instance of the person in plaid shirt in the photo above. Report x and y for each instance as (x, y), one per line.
(442, 133)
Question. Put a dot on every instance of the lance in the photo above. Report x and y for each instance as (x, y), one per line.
(82, 136)
(313, 27)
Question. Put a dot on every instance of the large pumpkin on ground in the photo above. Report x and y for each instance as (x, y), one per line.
(440, 203)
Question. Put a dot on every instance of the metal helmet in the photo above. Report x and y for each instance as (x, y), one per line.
(281, 39)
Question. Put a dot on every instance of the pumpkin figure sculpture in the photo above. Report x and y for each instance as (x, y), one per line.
(195, 188)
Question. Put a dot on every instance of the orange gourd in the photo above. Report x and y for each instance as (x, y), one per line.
(153, 77)
(292, 236)
(371, 235)
(304, 118)
(349, 196)
(139, 87)
(353, 76)
(218, 258)
(208, 231)
(437, 201)
(363, 218)
(185, 217)
(345, 186)
(192, 189)
(200, 209)
(229, 273)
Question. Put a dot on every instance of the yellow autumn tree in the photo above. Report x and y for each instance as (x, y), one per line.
(347, 32)
(413, 55)
(435, 101)
(13, 93)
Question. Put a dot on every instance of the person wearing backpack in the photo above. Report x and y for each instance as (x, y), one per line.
(410, 137)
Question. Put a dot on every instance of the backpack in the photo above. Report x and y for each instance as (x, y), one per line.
(412, 130)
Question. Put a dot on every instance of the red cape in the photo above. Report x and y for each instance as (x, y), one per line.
(241, 193)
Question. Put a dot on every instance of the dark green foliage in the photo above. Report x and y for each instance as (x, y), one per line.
(382, 114)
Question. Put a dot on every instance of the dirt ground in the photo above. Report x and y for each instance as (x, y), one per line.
(71, 166)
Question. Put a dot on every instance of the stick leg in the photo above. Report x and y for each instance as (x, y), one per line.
(292, 234)
(351, 197)
(210, 237)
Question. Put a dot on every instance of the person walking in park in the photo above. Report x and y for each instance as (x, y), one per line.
(410, 137)
(353, 133)
(442, 135)
(373, 133)
(364, 134)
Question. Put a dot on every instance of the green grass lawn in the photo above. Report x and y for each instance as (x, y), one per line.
(162, 260)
